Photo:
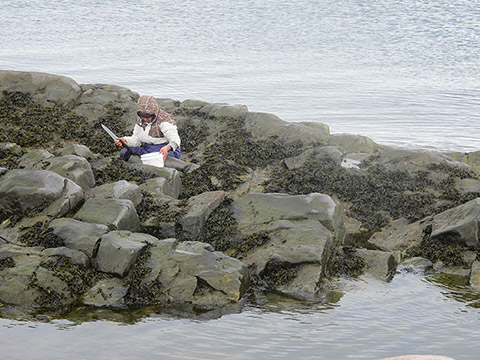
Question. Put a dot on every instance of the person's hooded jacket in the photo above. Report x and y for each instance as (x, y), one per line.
(161, 130)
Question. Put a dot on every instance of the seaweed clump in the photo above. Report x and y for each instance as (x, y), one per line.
(221, 228)
(139, 292)
(375, 195)
(232, 155)
(118, 169)
(448, 248)
(30, 124)
(40, 234)
(344, 262)
(7, 263)
(160, 218)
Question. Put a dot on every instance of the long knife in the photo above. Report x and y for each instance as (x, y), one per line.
(115, 137)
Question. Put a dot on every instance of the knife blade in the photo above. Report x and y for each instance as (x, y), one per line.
(114, 137)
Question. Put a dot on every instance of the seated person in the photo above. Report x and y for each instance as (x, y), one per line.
(155, 131)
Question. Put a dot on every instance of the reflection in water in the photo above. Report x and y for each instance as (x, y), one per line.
(373, 319)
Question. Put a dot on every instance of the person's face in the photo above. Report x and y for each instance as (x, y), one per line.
(146, 117)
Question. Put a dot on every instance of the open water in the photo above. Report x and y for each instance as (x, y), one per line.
(404, 73)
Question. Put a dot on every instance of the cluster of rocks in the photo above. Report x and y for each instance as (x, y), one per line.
(255, 204)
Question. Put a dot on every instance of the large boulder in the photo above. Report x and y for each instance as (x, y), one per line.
(194, 272)
(96, 101)
(78, 150)
(44, 87)
(379, 264)
(79, 235)
(34, 157)
(224, 110)
(119, 250)
(299, 234)
(73, 167)
(263, 125)
(199, 209)
(25, 191)
(400, 235)
(118, 190)
(349, 143)
(459, 224)
(117, 214)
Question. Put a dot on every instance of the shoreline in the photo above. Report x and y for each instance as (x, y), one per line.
(286, 208)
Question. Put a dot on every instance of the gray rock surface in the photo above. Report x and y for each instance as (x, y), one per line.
(118, 190)
(79, 235)
(72, 167)
(461, 222)
(118, 251)
(44, 87)
(117, 214)
(199, 209)
(23, 190)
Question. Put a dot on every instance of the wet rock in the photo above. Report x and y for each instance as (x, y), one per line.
(199, 209)
(460, 224)
(15, 280)
(263, 125)
(192, 271)
(379, 264)
(416, 265)
(400, 235)
(72, 167)
(34, 157)
(118, 251)
(106, 293)
(171, 175)
(475, 275)
(118, 190)
(23, 191)
(78, 150)
(117, 214)
(224, 110)
(330, 153)
(317, 126)
(348, 143)
(300, 233)
(158, 186)
(74, 256)
(193, 105)
(44, 87)
(78, 235)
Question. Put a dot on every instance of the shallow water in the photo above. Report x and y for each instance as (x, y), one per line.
(410, 315)
(403, 73)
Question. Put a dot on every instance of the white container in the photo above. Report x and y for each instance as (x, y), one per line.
(154, 159)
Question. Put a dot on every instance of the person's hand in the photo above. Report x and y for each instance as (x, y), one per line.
(120, 142)
(164, 151)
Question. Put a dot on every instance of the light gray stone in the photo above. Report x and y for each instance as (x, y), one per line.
(22, 190)
(461, 221)
(44, 87)
(76, 149)
(106, 293)
(117, 214)
(118, 251)
(379, 264)
(72, 167)
(118, 190)
(199, 209)
(78, 235)
(75, 257)
(34, 157)
(224, 110)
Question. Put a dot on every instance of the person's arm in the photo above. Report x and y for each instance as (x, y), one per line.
(171, 133)
(132, 140)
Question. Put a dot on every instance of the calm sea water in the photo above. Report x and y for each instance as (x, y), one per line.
(374, 319)
(405, 73)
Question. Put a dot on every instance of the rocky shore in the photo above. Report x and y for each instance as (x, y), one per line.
(255, 205)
